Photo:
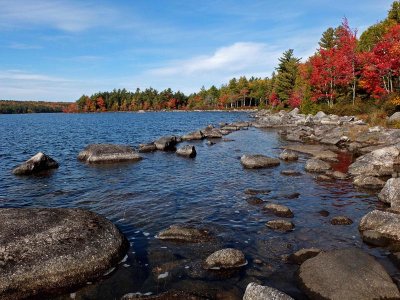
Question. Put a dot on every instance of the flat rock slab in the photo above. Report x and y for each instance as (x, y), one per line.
(346, 274)
(385, 226)
(170, 295)
(37, 163)
(320, 151)
(49, 250)
(255, 291)
(258, 161)
(108, 153)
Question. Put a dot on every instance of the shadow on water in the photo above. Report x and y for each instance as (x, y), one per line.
(145, 197)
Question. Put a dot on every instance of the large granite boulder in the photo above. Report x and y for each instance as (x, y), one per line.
(47, 251)
(37, 163)
(187, 151)
(376, 163)
(380, 227)
(255, 291)
(167, 143)
(184, 233)
(395, 117)
(346, 274)
(225, 259)
(258, 161)
(108, 153)
(391, 193)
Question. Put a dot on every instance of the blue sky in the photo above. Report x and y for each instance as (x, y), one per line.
(57, 50)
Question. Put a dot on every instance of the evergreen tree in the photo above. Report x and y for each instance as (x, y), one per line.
(328, 39)
(287, 73)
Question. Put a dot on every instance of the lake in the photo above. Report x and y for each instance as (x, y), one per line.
(145, 197)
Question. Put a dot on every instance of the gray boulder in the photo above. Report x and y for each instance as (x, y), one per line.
(212, 133)
(384, 225)
(320, 115)
(184, 233)
(187, 150)
(346, 274)
(376, 163)
(45, 251)
(37, 163)
(167, 143)
(395, 117)
(316, 165)
(258, 161)
(225, 259)
(391, 193)
(255, 291)
(107, 153)
(368, 182)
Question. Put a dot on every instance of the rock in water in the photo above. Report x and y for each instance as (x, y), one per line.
(39, 162)
(225, 259)
(384, 225)
(346, 274)
(341, 220)
(316, 165)
(258, 161)
(303, 254)
(46, 251)
(255, 291)
(391, 193)
(280, 225)
(288, 155)
(187, 150)
(144, 148)
(197, 135)
(184, 233)
(108, 153)
(279, 210)
(170, 295)
(166, 143)
(368, 182)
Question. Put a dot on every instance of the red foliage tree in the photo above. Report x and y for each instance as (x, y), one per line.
(273, 99)
(294, 99)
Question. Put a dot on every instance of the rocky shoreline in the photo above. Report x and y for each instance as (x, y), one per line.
(323, 137)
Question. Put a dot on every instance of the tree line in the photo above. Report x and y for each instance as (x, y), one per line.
(344, 70)
(24, 107)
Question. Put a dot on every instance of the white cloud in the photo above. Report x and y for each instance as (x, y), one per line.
(60, 14)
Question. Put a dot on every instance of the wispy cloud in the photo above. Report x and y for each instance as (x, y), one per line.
(60, 14)
(22, 46)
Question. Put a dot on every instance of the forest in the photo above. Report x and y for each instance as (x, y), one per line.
(24, 107)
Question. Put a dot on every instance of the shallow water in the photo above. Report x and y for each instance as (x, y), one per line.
(145, 197)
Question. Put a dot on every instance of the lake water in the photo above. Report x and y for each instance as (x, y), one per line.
(145, 197)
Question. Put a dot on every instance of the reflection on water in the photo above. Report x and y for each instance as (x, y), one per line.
(145, 197)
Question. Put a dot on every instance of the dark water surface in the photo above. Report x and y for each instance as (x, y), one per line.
(145, 197)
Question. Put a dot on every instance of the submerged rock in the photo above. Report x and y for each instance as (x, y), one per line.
(184, 233)
(255, 291)
(341, 220)
(108, 153)
(170, 295)
(167, 143)
(37, 163)
(288, 155)
(385, 225)
(280, 225)
(257, 191)
(368, 182)
(225, 259)
(346, 274)
(317, 166)
(187, 150)
(391, 193)
(279, 210)
(258, 161)
(303, 254)
(291, 173)
(45, 251)
(255, 201)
